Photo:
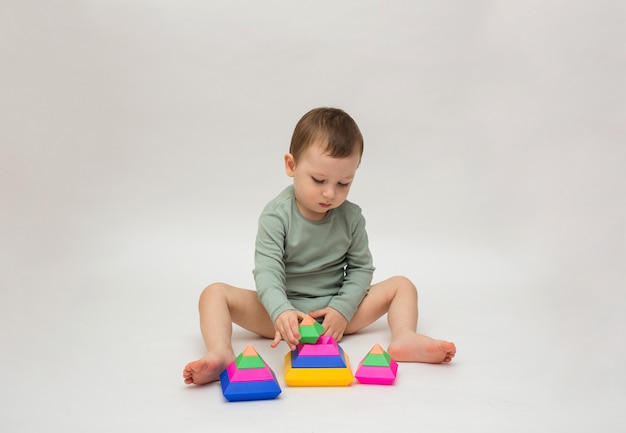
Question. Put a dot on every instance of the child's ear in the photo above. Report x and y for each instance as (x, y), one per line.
(290, 165)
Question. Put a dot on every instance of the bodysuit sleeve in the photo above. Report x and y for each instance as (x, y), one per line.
(269, 268)
(358, 272)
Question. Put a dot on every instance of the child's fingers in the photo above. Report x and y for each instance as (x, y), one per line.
(292, 332)
(276, 340)
(317, 313)
(294, 324)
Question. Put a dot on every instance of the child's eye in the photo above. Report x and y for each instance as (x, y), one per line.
(343, 185)
(317, 180)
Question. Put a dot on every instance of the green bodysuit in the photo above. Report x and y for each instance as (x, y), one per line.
(307, 265)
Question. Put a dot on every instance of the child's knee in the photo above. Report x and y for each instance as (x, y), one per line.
(212, 290)
(403, 283)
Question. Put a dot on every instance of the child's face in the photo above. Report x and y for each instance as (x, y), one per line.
(321, 182)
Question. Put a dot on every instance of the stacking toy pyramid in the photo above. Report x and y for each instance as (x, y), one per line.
(377, 367)
(318, 360)
(248, 377)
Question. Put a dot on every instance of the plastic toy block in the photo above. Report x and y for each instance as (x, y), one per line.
(310, 330)
(309, 335)
(325, 346)
(244, 391)
(377, 375)
(249, 351)
(248, 374)
(248, 377)
(377, 350)
(249, 358)
(376, 356)
(316, 361)
(318, 376)
(377, 360)
(377, 367)
(308, 320)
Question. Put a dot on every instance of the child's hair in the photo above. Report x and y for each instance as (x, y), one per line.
(330, 126)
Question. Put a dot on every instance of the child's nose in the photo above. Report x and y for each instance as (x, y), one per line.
(329, 193)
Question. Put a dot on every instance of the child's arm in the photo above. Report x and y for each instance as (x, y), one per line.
(358, 273)
(269, 269)
(358, 278)
(269, 274)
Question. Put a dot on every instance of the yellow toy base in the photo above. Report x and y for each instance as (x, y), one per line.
(318, 376)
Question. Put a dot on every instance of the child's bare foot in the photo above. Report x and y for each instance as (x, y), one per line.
(420, 348)
(206, 369)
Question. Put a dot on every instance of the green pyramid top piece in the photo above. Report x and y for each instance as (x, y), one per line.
(310, 330)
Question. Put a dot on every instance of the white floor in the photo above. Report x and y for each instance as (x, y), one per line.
(140, 139)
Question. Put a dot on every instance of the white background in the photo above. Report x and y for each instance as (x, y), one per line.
(140, 140)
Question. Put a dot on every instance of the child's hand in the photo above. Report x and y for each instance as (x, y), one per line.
(287, 327)
(334, 323)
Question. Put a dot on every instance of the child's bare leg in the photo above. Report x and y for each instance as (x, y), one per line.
(220, 305)
(397, 297)
(406, 344)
